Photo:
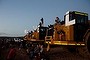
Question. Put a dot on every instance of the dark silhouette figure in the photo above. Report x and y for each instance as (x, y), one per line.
(12, 53)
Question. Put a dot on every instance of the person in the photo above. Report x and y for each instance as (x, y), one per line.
(31, 52)
(41, 52)
(27, 50)
(12, 53)
(57, 21)
(20, 46)
(37, 52)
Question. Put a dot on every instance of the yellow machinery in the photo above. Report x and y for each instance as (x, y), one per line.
(73, 31)
(32, 36)
(38, 35)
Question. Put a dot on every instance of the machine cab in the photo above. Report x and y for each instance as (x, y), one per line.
(74, 17)
(80, 22)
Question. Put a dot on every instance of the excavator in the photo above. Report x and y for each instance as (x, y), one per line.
(73, 31)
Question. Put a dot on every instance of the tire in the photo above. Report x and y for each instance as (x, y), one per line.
(85, 51)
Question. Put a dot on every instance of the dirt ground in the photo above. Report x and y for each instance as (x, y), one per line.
(64, 54)
(55, 54)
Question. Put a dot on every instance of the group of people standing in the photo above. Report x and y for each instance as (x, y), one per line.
(35, 52)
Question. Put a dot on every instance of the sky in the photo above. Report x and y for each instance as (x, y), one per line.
(16, 16)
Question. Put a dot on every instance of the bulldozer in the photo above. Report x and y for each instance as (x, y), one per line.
(73, 31)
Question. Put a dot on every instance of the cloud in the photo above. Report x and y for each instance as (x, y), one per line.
(3, 33)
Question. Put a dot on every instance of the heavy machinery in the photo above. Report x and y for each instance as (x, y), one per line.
(38, 35)
(73, 31)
